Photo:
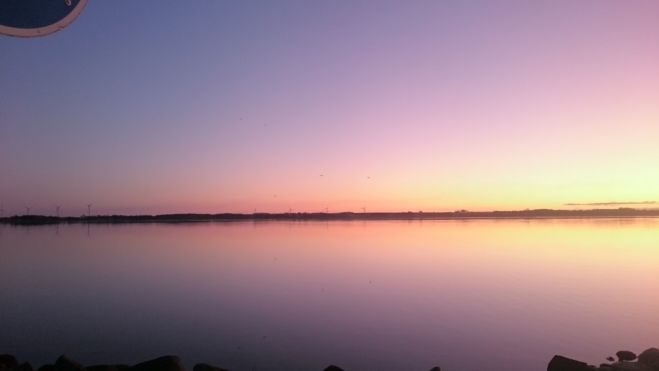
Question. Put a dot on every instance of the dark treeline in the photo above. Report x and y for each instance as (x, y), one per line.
(460, 214)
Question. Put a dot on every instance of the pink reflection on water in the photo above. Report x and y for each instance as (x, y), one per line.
(387, 295)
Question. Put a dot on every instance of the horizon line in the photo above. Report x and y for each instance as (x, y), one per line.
(344, 215)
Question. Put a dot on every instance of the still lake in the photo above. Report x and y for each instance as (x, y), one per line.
(364, 295)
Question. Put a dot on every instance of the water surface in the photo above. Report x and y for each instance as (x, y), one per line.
(376, 295)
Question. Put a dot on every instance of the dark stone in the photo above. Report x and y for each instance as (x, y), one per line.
(207, 367)
(625, 355)
(165, 363)
(107, 368)
(560, 363)
(628, 366)
(8, 362)
(650, 357)
(333, 368)
(65, 363)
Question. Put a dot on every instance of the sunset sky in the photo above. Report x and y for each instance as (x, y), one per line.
(232, 106)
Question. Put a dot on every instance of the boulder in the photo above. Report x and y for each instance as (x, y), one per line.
(629, 366)
(165, 363)
(560, 363)
(8, 362)
(650, 357)
(207, 367)
(65, 363)
(333, 368)
(107, 368)
(625, 355)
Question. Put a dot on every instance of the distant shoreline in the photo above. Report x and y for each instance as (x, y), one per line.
(348, 216)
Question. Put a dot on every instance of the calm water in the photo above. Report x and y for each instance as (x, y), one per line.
(392, 295)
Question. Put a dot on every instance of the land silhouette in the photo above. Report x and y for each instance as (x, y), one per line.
(302, 216)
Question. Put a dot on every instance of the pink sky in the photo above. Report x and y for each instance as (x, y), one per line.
(387, 106)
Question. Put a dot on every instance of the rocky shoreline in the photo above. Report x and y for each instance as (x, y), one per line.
(64, 363)
(648, 360)
(164, 363)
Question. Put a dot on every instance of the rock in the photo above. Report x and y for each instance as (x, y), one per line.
(622, 366)
(650, 357)
(625, 355)
(65, 363)
(107, 368)
(436, 368)
(333, 368)
(629, 366)
(207, 367)
(165, 363)
(8, 362)
(560, 363)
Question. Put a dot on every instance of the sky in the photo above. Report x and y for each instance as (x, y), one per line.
(235, 106)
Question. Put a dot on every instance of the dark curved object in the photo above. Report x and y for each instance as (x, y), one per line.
(30, 18)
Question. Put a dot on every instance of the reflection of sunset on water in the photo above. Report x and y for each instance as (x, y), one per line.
(463, 292)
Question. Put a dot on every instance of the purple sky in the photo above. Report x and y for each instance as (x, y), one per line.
(166, 106)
